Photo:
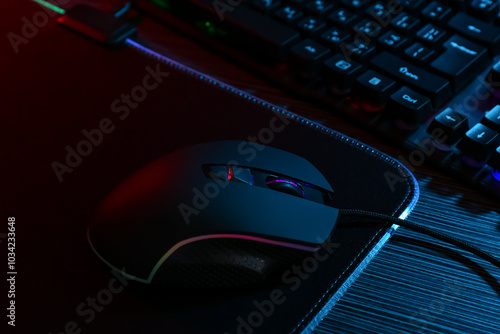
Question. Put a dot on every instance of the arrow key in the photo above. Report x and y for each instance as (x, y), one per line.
(448, 127)
(479, 142)
(492, 118)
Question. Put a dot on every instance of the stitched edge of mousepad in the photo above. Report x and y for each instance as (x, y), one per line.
(61, 89)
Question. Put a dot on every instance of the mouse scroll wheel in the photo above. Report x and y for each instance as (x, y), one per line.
(285, 185)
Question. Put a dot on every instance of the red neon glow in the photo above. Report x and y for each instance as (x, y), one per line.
(371, 107)
(230, 173)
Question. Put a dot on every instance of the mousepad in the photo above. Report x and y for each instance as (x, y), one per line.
(79, 119)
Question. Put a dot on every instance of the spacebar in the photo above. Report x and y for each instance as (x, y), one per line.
(246, 25)
(435, 87)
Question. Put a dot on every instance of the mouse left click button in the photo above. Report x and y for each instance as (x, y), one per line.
(241, 174)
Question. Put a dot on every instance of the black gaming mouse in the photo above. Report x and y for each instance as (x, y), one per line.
(221, 213)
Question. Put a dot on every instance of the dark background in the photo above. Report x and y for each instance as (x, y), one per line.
(414, 285)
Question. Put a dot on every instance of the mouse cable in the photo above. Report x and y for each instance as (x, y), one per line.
(425, 230)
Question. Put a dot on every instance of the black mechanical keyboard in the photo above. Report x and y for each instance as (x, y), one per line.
(424, 75)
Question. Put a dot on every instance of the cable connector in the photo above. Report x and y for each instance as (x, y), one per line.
(96, 24)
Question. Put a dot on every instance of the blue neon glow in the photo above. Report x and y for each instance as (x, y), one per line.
(343, 288)
(496, 175)
(122, 11)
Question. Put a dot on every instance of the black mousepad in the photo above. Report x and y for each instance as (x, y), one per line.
(80, 118)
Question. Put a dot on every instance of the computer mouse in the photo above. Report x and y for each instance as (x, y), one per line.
(221, 213)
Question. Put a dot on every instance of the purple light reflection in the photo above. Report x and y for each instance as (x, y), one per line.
(289, 182)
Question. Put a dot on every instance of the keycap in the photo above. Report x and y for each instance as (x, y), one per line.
(477, 31)
(486, 10)
(374, 88)
(380, 11)
(271, 38)
(356, 5)
(288, 14)
(461, 61)
(457, 4)
(492, 118)
(333, 37)
(419, 53)
(307, 56)
(342, 18)
(409, 106)
(265, 6)
(368, 27)
(392, 41)
(412, 5)
(493, 77)
(311, 26)
(436, 12)
(448, 127)
(319, 7)
(431, 35)
(405, 22)
(495, 162)
(341, 73)
(297, 3)
(436, 88)
(479, 142)
(358, 51)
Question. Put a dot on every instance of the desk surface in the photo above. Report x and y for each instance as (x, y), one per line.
(414, 284)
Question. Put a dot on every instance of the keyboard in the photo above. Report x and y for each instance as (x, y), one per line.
(423, 75)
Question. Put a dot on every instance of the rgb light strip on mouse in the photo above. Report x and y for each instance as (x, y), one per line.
(178, 245)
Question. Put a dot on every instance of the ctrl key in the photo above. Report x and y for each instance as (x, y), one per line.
(409, 107)
(479, 144)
